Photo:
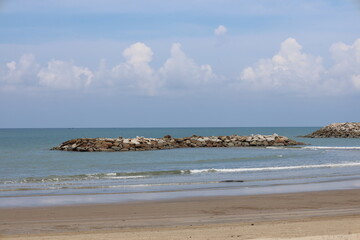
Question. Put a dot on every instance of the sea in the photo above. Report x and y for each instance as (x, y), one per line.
(32, 175)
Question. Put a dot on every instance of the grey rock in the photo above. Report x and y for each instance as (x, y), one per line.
(167, 142)
(337, 130)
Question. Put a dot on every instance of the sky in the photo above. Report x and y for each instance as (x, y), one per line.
(188, 63)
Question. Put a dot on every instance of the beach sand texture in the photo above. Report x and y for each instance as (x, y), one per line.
(312, 215)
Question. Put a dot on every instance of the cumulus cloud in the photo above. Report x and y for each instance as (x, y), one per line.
(220, 30)
(346, 70)
(136, 71)
(134, 75)
(289, 69)
(58, 74)
(293, 70)
(138, 54)
(356, 81)
(64, 75)
(20, 72)
(180, 71)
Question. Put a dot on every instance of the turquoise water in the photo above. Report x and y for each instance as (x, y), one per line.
(31, 174)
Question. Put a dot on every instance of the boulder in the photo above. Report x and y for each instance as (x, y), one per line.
(167, 142)
(337, 130)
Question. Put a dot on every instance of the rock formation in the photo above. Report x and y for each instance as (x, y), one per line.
(337, 130)
(168, 142)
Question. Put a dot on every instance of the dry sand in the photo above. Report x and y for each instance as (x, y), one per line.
(312, 215)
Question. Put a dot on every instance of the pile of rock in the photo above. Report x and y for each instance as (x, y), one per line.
(337, 130)
(168, 142)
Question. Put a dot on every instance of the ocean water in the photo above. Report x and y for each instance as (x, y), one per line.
(33, 175)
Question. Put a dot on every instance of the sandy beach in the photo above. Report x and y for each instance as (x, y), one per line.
(311, 215)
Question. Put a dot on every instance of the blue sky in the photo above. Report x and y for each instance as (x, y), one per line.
(144, 63)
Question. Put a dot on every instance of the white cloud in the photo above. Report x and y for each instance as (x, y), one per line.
(180, 71)
(346, 70)
(289, 69)
(134, 75)
(58, 74)
(11, 66)
(293, 70)
(64, 75)
(138, 54)
(21, 72)
(356, 81)
(220, 30)
(136, 72)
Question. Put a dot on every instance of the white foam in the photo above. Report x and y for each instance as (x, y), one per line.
(331, 148)
(229, 170)
(125, 177)
(110, 174)
(114, 176)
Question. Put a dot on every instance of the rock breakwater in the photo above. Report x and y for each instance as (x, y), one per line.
(168, 142)
(337, 130)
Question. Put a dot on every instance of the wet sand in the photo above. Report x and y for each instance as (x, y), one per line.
(310, 215)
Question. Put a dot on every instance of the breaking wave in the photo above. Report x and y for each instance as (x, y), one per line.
(334, 165)
(136, 175)
(331, 148)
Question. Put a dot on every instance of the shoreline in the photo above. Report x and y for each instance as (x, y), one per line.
(63, 200)
(192, 215)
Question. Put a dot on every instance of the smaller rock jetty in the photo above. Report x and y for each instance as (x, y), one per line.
(168, 142)
(337, 130)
